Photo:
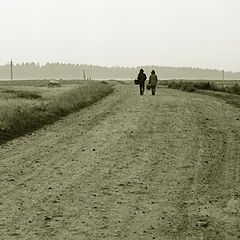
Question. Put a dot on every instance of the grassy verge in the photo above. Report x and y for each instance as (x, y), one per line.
(22, 94)
(229, 93)
(22, 118)
(232, 99)
(191, 86)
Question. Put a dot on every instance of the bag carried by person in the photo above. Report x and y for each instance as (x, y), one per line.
(148, 86)
(136, 81)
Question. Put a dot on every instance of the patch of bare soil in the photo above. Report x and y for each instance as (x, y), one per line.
(129, 167)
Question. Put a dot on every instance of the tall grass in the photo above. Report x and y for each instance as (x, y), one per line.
(22, 94)
(24, 118)
(192, 86)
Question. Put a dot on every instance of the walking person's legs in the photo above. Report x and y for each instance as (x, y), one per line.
(141, 85)
(153, 90)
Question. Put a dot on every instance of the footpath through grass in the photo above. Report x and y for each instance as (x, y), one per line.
(25, 117)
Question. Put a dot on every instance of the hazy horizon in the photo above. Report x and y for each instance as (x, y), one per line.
(128, 33)
(137, 67)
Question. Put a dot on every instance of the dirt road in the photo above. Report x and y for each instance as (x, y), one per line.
(129, 167)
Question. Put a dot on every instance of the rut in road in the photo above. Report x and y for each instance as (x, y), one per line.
(128, 167)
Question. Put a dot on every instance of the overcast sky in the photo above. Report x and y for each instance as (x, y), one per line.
(199, 33)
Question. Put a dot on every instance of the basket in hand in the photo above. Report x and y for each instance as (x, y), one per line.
(148, 86)
(136, 81)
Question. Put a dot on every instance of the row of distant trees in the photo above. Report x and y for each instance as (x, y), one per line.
(76, 71)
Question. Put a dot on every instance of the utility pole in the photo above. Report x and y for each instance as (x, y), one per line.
(84, 75)
(223, 78)
(11, 69)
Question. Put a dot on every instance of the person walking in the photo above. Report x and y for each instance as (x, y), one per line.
(153, 82)
(141, 79)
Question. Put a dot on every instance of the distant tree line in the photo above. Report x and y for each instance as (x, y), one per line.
(75, 71)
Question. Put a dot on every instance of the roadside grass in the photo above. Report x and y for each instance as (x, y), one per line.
(228, 90)
(38, 83)
(233, 99)
(22, 94)
(192, 86)
(20, 117)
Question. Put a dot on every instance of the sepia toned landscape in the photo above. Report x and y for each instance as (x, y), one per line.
(120, 120)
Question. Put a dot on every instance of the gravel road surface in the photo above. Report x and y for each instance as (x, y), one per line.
(128, 167)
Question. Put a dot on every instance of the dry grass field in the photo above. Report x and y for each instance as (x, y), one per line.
(28, 105)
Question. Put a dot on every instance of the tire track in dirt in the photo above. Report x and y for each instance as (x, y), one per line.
(128, 167)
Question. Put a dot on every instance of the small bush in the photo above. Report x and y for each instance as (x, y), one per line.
(174, 85)
(182, 85)
(187, 86)
(236, 88)
(205, 85)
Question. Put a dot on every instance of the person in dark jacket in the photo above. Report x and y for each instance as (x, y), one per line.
(153, 82)
(141, 79)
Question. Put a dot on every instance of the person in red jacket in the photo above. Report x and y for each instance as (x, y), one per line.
(141, 79)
